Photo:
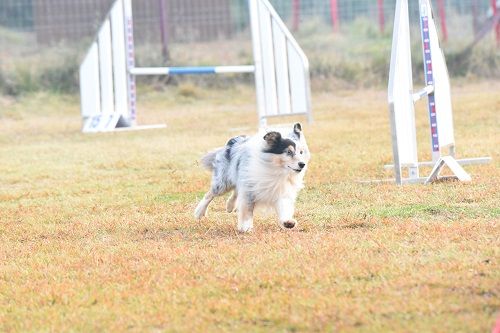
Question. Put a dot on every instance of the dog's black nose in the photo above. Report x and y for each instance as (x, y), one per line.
(302, 165)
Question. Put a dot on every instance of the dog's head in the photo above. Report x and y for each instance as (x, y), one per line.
(289, 150)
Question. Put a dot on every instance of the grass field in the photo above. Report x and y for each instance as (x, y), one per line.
(97, 233)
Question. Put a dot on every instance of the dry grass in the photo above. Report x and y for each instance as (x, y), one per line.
(97, 234)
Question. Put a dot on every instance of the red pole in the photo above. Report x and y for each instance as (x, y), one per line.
(442, 17)
(334, 12)
(296, 15)
(381, 18)
(497, 27)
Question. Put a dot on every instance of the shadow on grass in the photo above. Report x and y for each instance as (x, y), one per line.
(223, 227)
(356, 225)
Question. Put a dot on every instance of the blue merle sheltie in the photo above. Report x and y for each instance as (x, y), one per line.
(264, 169)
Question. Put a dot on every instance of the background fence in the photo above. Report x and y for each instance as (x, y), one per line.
(42, 41)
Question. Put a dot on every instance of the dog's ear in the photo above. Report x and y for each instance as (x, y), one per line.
(272, 138)
(297, 129)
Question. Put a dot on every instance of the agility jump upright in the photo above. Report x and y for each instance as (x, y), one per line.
(401, 98)
(108, 72)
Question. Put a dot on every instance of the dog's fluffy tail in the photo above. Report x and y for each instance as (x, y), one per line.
(208, 160)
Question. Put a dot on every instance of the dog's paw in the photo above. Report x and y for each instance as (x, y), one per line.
(290, 224)
(244, 229)
(199, 213)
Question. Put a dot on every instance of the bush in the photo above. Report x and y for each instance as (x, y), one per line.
(51, 71)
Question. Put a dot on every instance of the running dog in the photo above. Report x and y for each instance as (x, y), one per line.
(264, 169)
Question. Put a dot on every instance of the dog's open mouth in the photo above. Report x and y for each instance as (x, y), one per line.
(296, 170)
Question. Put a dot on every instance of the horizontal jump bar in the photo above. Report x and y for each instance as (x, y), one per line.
(424, 92)
(464, 161)
(192, 70)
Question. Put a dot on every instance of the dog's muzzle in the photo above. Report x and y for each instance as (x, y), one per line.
(301, 167)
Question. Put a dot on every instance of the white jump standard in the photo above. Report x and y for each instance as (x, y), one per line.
(401, 100)
(107, 74)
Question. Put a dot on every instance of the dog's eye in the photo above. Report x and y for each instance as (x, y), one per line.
(301, 152)
(290, 152)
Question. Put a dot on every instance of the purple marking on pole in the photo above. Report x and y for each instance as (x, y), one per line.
(429, 80)
(131, 64)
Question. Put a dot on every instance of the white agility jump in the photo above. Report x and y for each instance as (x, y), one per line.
(401, 98)
(107, 74)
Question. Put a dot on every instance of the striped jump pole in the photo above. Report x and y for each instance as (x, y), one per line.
(192, 70)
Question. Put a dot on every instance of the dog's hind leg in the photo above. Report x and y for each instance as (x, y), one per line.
(231, 202)
(201, 209)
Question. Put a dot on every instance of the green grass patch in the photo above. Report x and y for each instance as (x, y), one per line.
(429, 211)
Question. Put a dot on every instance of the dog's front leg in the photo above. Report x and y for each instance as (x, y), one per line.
(245, 214)
(285, 207)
